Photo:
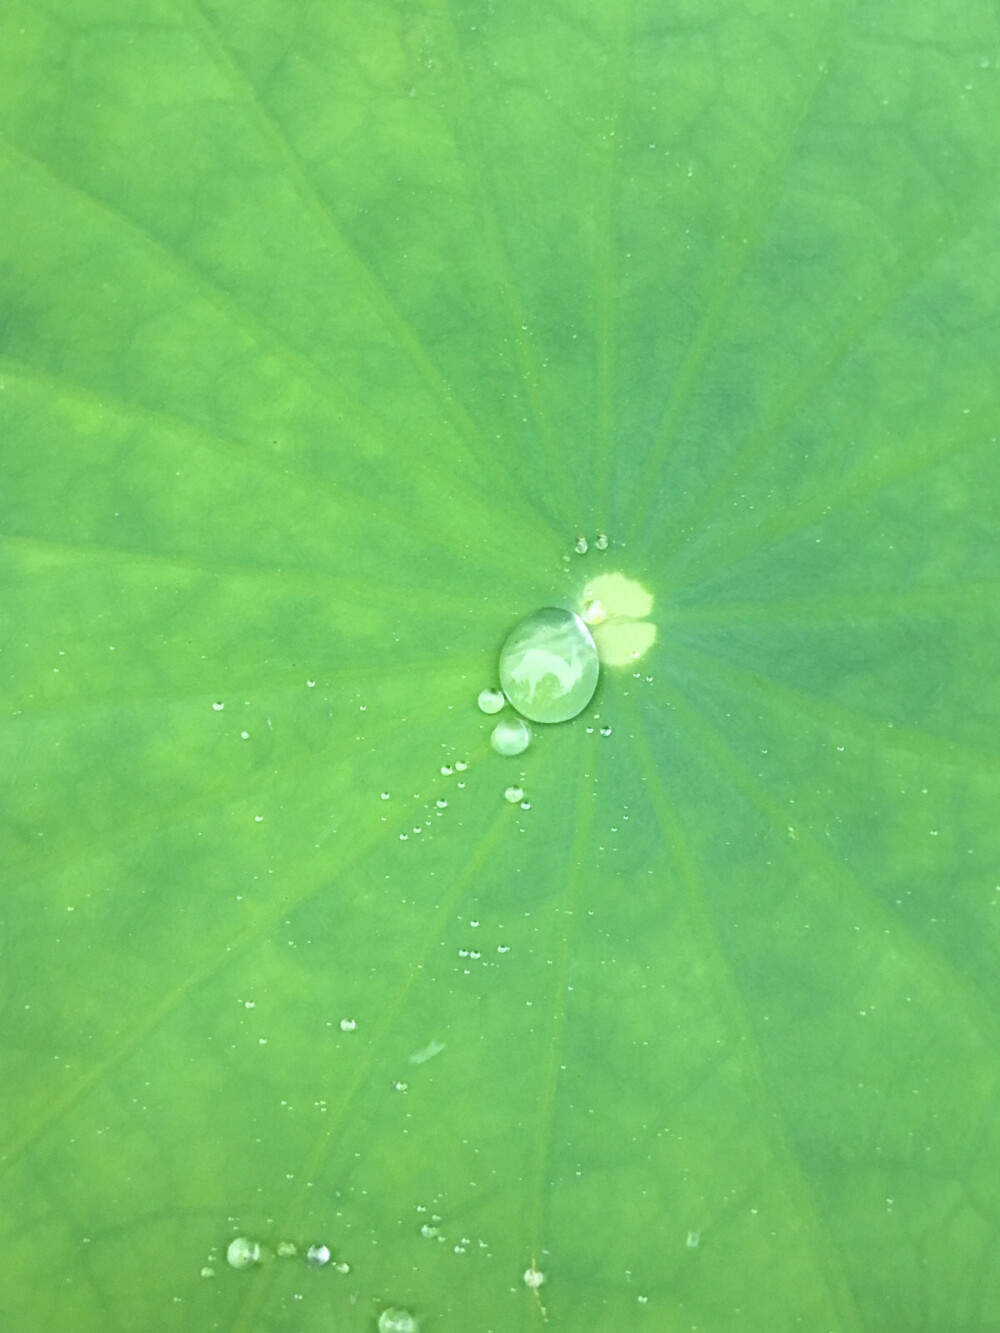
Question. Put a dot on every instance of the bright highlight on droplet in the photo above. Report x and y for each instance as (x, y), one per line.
(621, 632)
(549, 665)
(510, 736)
(491, 701)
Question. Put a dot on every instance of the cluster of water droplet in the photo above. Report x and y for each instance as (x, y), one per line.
(548, 672)
(243, 1252)
(581, 546)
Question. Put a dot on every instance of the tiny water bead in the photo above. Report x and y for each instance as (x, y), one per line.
(318, 1255)
(491, 701)
(510, 736)
(594, 613)
(549, 665)
(514, 795)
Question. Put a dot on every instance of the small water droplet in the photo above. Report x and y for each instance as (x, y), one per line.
(601, 541)
(460, 766)
(348, 1024)
(217, 707)
(286, 1249)
(385, 796)
(491, 701)
(580, 546)
(243, 1253)
(396, 1321)
(318, 1255)
(441, 803)
(446, 770)
(514, 795)
(510, 736)
(525, 805)
(533, 1278)
(605, 731)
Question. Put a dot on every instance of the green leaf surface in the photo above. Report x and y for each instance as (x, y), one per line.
(325, 332)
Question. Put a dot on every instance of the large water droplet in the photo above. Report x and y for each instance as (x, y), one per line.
(510, 736)
(396, 1321)
(549, 666)
(243, 1253)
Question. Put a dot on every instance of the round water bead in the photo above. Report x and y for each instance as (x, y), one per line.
(510, 736)
(396, 1321)
(549, 665)
(491, 701)
(243, 1253)
(318, 1255)
(513, 795)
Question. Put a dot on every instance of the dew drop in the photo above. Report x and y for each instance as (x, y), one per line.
(491, 701)
(549, 666)
(533, 1278)
(514, 795)
(510, 736)
(581, 546)
(318, 1255)
(602, 541)
(396, 1321)
(460, 767)
(243, 1253)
